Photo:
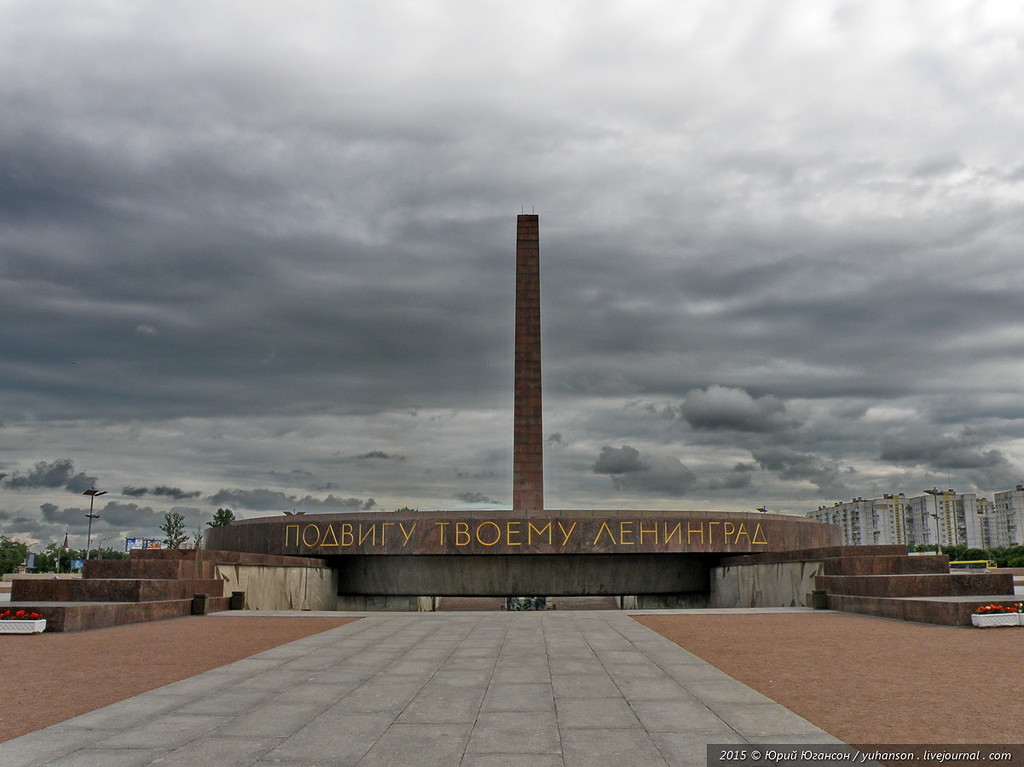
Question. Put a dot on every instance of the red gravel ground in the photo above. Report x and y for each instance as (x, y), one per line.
(869, 680)
(48, 678)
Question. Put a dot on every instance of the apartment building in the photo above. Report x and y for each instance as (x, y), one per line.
(876, 521)
(942, 517)
(1006, 520)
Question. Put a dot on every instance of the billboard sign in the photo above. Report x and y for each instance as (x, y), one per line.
(142, 543)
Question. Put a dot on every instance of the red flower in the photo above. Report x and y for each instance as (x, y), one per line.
(21, 615)
(994, 608)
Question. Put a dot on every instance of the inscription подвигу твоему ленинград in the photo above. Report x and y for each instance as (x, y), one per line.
(524, 536)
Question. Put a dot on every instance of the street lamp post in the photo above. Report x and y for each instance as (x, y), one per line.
(92, 493)
(937, 536)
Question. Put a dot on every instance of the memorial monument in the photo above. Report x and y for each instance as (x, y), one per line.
(391, 561)
(661, 557)
(528, 416)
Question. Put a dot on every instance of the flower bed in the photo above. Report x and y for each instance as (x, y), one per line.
(998, 615)
(21, 622)
(996, 619)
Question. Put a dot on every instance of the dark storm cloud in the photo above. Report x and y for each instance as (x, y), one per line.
(659, 474)
(58, 473)
(794, 465)
(29, 527)
(115, 518)
(218, 221)
(621, 460)
(258, 500)
(111, 515)
(720, 407)
(80, 483)
(43, 474)
(272, 500)
(942, 452)
(966, 453)
(176, 492)
(71, 518)
(479, 498)
(160, 490)
(379, 455)
(129, 515)
(738, 478)
(242, 292)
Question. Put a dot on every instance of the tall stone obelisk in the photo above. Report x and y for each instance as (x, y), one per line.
(527, 429)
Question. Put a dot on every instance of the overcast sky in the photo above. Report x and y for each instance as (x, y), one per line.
(261, 254)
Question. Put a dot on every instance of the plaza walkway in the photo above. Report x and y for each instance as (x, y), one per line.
(572, 689)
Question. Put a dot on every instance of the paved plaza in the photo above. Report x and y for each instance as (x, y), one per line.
(528, 689)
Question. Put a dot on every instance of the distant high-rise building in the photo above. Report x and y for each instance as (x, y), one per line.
(942, 517)
(864, 522)
(1006, 520)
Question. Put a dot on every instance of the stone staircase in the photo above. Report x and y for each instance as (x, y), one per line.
(887, 582)
(911, 588)
(152, 584)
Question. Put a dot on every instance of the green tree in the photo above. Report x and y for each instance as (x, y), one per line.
(222, 518)
(173, 529)
(956, 552)
(55, 558)
(974, 554)
(1011, 556)
(109, 553)
(12, 554)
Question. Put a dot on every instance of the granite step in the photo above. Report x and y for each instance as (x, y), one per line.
(886, 564)
(916, 584)
(159, 569)
(218, 557)
(945, 611)
(80, 616)
(809, 555)
(152, 584)
(113, 589)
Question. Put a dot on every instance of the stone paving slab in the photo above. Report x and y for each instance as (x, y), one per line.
(569, 689)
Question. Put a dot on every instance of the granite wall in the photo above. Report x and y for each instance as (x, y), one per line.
(282, 588)
(778, 584)
(500, 576)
